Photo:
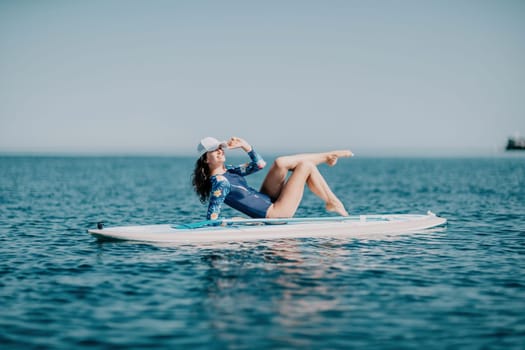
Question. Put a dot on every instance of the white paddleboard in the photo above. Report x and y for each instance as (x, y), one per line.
(357, 226)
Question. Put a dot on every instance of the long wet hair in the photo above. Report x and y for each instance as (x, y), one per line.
(201, 179)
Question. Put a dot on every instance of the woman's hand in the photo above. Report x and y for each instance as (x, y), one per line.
(236, 142)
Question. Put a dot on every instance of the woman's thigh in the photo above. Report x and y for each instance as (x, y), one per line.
(291, 193)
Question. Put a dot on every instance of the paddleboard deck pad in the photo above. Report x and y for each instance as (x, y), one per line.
(230, 230)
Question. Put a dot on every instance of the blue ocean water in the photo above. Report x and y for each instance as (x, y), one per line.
(462, 287)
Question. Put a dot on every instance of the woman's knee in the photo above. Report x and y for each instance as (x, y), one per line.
(305, 165)
(289, 163)
(282, 162)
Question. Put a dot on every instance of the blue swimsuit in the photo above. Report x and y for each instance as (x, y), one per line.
(231, 188)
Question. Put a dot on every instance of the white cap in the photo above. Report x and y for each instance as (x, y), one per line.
(209, 144)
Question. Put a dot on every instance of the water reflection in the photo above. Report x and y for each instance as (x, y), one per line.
(294, 285)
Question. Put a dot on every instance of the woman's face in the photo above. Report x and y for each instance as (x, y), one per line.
(215, 158)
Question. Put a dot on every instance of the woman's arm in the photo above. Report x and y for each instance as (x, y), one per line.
(220, 188)
(237, 142)
(256, 163)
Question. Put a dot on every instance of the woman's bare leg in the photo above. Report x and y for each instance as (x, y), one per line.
(329, 158)
(292, 192)
(317, 184)
(275, 180)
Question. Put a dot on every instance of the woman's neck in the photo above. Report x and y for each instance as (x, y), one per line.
(218, 170)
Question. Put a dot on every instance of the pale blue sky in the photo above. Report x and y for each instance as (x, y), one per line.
(379, 77)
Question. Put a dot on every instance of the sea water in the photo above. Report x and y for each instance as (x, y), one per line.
(461, 287)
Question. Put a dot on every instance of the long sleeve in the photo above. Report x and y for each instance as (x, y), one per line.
(256, 163)
(219, 190)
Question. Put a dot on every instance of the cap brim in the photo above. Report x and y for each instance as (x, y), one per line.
(214, 147)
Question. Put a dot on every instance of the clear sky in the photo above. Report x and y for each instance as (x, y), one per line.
(379, 77)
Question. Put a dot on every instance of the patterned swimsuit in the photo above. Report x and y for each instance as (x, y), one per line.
(231, 188)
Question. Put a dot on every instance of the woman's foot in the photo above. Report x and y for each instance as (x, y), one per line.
(332, 157)
(337, 207)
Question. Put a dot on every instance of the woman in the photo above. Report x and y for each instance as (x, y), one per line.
(278, 197)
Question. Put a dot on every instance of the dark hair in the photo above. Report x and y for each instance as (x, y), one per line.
(201, 179)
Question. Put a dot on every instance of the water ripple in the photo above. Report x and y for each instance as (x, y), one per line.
(458, 287)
